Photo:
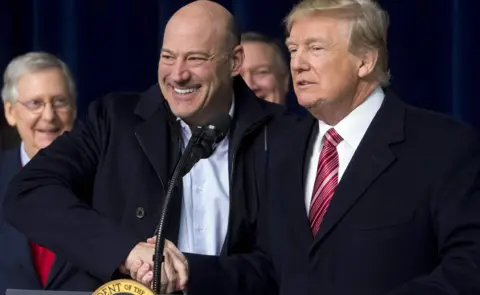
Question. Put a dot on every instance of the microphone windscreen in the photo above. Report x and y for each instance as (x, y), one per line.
(220, 124)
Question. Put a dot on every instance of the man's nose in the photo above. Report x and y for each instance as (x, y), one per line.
(180, 71)
(298, 62)
(48, 112)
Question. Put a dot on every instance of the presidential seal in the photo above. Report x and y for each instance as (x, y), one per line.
(123, 287)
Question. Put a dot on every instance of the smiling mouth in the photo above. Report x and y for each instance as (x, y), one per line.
(304, 83)
(52, 130)
(185, 91)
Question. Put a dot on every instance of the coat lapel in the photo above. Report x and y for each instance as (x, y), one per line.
(153, 131)
(56, 269)
(156, 135)
(248, 113)
(293, 182)
(151, 135)
(372, 157)
(17, 242)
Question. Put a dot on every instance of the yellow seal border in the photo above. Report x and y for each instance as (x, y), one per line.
(123, 286)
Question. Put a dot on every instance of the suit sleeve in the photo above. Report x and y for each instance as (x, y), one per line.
(455, 210)
(50, 200)
(249, 273)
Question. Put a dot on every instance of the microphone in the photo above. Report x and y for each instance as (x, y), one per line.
(209, 136)
(201, 145)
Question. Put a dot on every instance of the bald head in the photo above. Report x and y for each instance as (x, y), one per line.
(201, 53)
(208, 16)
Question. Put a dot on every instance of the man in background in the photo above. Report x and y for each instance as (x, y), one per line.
(265, 69)
(39, 102)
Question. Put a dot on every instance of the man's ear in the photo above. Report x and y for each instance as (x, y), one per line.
(238, 57)
(9, 113)
(368, 61)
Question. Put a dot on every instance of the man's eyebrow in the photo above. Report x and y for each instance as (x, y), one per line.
(187, 53)
(307, 41)
(167, 50)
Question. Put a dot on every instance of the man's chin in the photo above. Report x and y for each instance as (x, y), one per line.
(44, 143)
(44, 140)
(185, 115)
(271, 99)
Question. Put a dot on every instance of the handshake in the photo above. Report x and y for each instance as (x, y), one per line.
(174, 269)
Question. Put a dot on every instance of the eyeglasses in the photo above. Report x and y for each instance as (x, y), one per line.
(37, 106)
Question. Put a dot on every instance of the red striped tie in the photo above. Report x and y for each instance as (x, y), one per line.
(326, 181)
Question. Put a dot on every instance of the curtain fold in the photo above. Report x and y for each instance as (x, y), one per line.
(113, 45)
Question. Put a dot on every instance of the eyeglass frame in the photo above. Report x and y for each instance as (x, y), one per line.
(63, 108)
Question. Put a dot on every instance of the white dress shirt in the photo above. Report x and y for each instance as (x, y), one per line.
(206, 200)
(352, 129)
(23, 155)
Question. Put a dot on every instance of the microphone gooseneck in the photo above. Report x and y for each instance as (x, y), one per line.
(201, 145)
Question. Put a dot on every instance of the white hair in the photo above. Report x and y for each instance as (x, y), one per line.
(369, 26)
(32, 62)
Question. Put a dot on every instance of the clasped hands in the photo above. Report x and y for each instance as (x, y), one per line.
(174, 269)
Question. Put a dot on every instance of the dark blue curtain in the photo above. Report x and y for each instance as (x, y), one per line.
(113, 45)
(433, 54)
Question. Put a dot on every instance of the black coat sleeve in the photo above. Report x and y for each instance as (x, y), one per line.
(50, 200)
(455, 212)
(249, 273)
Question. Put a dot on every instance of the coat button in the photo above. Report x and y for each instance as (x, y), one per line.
(140, 212)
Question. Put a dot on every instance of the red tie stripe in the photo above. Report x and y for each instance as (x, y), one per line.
(326, 180)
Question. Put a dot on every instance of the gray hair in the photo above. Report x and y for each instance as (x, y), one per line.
(32, 62)
(369, 26)
(276, 46)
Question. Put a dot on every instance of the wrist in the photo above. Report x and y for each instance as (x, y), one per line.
(124, 268)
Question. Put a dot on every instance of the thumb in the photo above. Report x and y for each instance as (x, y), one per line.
(152, 240)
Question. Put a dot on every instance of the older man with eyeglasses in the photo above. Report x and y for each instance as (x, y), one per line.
(39, 101)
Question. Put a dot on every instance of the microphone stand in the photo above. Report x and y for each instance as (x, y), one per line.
(160, 242)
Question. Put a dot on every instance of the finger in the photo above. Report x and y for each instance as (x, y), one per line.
(134, 268)
(169, 245)
(143, 271)
(163, 280)
(180, 267)
(152, 240)
(147, 279)
(177, 257)
(171, 274)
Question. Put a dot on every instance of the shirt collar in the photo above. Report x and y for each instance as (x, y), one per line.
(230, 112)
(23, 155)
(353, 127)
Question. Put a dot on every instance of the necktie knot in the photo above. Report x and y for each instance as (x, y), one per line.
(332, 137)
